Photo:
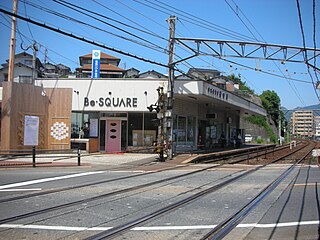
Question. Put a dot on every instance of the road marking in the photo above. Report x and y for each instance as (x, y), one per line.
(47, 179)
(303, 184)
(157, 228)
(59, 228)
(20, 189)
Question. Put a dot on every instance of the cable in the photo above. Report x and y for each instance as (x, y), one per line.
(293, 87)
(195, 20)
(147, 30)
(76, 7)
(304, 46)
(205, 22)
(25, 10)
(95, 27)
(314, 35)
(272, 74)
(241, 19)
(82, 38)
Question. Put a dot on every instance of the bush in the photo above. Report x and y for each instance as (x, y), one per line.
(262, 122)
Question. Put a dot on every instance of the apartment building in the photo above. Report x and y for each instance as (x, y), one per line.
(303, 123)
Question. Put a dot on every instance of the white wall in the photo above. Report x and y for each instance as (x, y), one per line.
(108, 94)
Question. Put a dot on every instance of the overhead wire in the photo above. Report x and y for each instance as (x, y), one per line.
(155, 47)
(76, 8)
(314, 36)
(25, 10)
(195, 20)
(304, 46)
(57, 30)
(147, 31)
(292, 85)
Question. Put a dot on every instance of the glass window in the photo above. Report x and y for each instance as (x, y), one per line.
(80, 123)
(181, 131)
(142, 129)
(190, 129)
(134, 125)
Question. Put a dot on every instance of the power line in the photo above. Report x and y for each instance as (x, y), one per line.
(149, 45)
(293, 87)
(147, 31)
(82, 38)
(314, 35)
(304, 45)
(195, 20)
(241, 19)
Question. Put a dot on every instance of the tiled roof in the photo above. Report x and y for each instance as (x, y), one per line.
(103, 55)
(103, 67)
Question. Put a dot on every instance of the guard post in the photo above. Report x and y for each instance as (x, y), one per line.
(78, 156)
(33, 156)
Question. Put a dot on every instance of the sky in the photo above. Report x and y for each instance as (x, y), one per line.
(140, 28)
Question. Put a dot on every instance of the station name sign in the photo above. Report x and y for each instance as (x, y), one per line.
(217, 93)
(112, 102)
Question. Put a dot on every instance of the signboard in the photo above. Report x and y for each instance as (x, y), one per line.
(95, 64)
(316, 153)
(93, 127)
(31, 130)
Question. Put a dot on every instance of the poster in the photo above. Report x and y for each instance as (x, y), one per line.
(31, 130)
(93, 127)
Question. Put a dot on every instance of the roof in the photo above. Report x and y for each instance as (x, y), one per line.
(103, 67)
(102, 55)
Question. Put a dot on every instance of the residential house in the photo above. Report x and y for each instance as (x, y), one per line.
(108, 67)
(23, 70)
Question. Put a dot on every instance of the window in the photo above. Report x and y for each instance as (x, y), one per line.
(142, 129)
(184, 130)
(81, 120)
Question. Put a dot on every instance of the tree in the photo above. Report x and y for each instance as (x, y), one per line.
(242, 85)
(271, 103)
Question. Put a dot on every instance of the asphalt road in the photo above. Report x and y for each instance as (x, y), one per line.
(291, 211)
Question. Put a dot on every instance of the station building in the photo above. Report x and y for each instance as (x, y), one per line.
(111, 114)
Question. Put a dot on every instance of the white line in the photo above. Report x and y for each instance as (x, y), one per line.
(272, 225)
(157, 228)
(59, 228)
(47, 179)
(21, 189)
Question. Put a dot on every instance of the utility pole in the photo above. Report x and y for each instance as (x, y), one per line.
(280, 139)
(170, 91)
(35, 49)
(12, 42)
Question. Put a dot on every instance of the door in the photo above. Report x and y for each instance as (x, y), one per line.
(113, 136)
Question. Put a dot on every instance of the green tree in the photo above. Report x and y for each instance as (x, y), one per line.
(271, 103)
(242, 85)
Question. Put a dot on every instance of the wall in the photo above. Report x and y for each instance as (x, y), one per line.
(20, 100)
(51, 106)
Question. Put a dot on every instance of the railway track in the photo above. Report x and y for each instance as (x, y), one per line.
(222, 228)
(120, 229)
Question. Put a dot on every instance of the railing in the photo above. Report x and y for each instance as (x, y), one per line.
(57, 154)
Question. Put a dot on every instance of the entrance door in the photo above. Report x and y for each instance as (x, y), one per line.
(113, 136)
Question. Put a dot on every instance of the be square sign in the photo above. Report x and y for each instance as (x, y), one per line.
(95, 63)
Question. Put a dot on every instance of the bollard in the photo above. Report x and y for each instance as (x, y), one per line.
(79, 156)
(34, 156)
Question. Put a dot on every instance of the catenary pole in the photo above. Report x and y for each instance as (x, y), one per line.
(169, 106)
(12, 42)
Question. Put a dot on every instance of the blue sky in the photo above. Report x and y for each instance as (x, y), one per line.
(272, 21)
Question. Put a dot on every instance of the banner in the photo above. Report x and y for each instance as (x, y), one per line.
(95, 64)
